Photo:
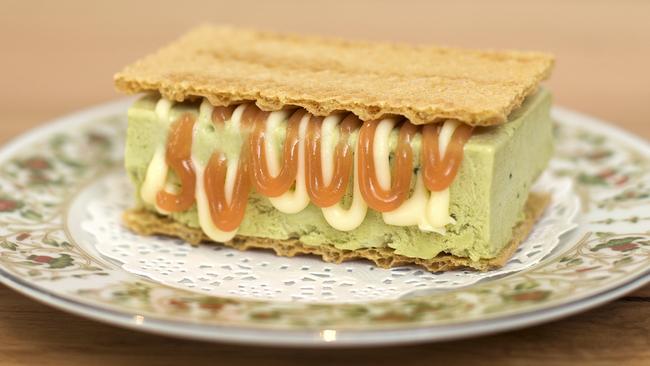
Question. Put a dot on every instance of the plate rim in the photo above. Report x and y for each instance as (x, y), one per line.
(316, 338)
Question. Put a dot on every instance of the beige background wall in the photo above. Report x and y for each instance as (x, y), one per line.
(58, 56)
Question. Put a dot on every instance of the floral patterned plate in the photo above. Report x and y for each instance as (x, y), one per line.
(44, 176)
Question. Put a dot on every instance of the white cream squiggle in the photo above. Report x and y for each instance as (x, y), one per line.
(157, 170)
(350, 219)
(294, 201)
(202, 204)
(381, 151)
(428, 210)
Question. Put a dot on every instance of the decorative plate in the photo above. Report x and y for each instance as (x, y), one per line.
(62, 189)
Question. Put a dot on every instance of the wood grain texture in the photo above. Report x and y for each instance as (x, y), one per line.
(60, 56)
(34, 334)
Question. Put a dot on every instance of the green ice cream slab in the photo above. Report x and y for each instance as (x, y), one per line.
(486, 198)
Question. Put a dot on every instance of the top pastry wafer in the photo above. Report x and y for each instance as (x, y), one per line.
(423, 83)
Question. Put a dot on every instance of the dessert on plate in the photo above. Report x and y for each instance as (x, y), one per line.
(394, 153)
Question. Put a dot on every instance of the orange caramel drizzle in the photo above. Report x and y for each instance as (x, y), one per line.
(264, 182)
(179, 158)
(439, 173)
(320, 193)
(253, 171)
(377, 198)
(227, 214)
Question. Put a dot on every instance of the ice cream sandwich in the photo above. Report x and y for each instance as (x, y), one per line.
(397, 154)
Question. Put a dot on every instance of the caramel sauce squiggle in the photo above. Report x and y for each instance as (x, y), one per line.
(265, 183)
(228, 197)
(322, 193)
(207, 114)
(343, 219)
(440, 172)
(157, 170)
(179, 159)
(380, 198)
(294, 201)
(227, 212)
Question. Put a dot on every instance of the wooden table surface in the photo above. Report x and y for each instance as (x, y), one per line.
(60, 56)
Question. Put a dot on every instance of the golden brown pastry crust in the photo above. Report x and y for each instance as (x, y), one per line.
(423, 83)
(149, 223)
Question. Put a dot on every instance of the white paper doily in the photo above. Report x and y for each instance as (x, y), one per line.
(221, 271)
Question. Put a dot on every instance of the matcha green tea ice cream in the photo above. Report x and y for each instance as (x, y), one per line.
(436, 172)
